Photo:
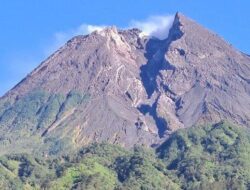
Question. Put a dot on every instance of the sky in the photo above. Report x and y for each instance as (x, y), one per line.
(30, 30)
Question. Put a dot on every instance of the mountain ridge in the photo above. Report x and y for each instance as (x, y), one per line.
(116, 86)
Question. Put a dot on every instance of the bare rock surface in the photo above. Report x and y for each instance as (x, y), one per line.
(140, 89)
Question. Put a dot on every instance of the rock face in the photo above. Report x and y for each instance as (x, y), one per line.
(115, 86)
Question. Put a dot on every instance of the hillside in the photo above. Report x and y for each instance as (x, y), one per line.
(204, 157)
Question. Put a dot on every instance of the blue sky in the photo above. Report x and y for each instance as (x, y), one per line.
(31, 29)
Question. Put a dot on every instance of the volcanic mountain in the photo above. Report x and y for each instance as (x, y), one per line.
(116, 86)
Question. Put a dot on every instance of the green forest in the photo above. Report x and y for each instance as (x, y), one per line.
(202, 157)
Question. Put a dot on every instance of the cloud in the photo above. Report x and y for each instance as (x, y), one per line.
(154, 26)
(60, 38)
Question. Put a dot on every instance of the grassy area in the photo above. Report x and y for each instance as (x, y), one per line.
(24, 120)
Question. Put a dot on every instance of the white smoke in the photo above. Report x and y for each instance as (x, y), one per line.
(60, 38)
(87, 29)
(154, 26)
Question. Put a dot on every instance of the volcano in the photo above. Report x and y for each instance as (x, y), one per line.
(119, 87)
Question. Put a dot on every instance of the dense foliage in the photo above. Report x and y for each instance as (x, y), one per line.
(207, 157)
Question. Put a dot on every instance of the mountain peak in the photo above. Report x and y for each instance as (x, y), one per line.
(108, 31)
(114, 86)
(180, 17)
(181, 25)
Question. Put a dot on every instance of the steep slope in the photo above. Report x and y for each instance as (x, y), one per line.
(209, 77)
(118, 87)
(87, 91)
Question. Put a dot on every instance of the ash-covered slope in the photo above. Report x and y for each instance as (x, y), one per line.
(118, 87)
(210, 78)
